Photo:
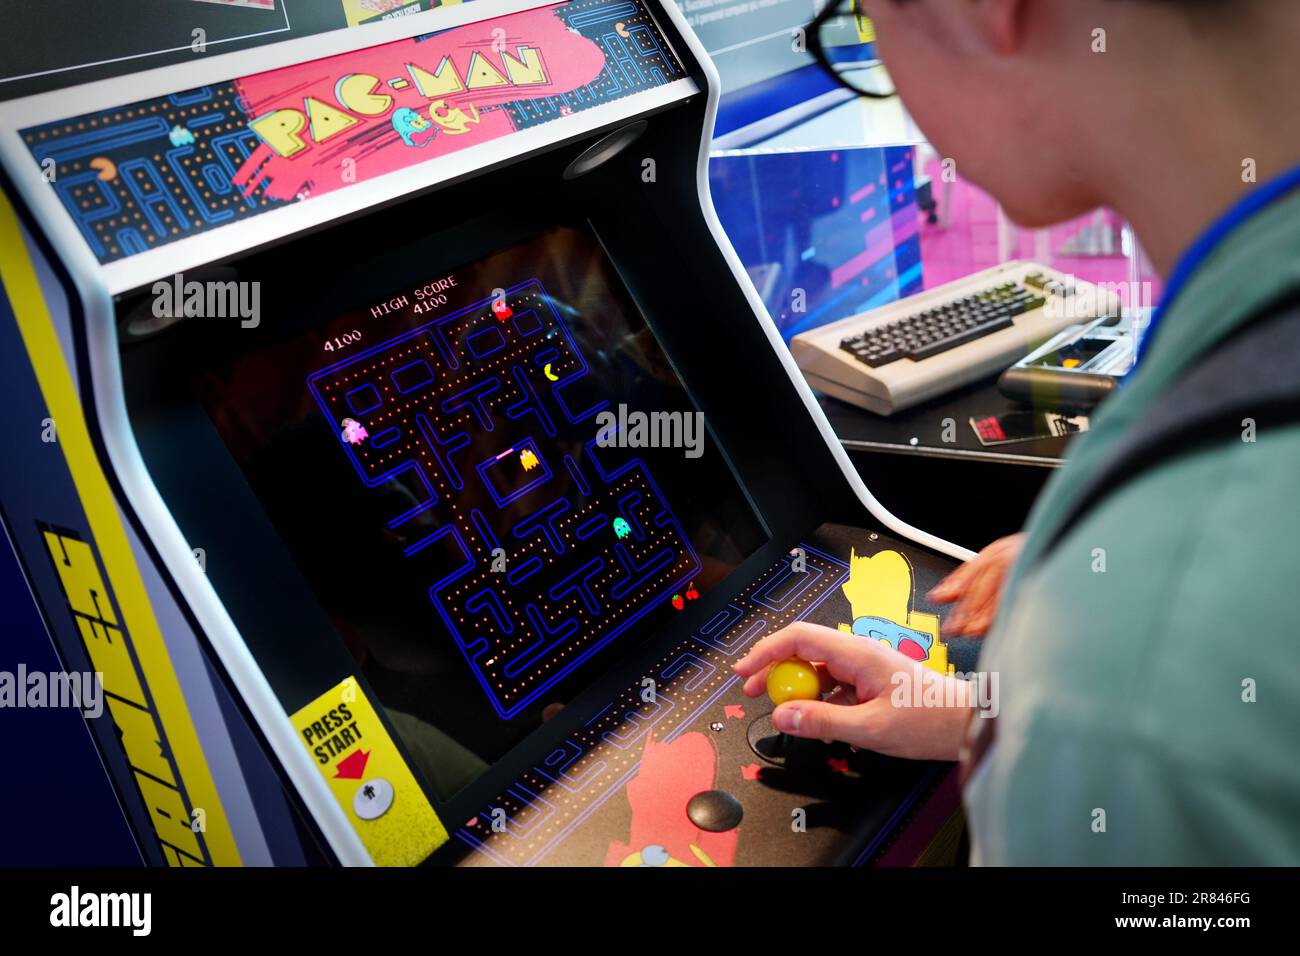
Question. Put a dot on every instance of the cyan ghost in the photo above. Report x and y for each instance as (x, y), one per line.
(408, 123)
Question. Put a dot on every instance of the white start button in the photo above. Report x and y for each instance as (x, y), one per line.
(372, 799)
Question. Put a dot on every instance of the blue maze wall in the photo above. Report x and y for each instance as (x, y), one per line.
(487, 421)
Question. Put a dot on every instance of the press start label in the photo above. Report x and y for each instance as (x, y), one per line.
(368, 777)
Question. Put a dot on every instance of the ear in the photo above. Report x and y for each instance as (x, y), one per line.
(963, 27)
(1002, 24)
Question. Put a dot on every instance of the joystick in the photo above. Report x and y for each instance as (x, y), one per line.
(792, 679)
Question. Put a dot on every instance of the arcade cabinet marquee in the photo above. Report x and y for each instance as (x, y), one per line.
(425, 458)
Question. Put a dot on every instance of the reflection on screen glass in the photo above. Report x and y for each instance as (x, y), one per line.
(493, 481)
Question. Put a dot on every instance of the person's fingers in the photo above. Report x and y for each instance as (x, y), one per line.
(983, 604)
(847, 657)
(810, 642)
(757, 684)
(842, 696)
(997, 556)
(980, 621)
(1011, 543)
(952, 586)
(981, 587)
(984, 567)
(828, 680)
(974, 613)
(988, 582)
(819, 720)
(884, 726)
(962, 622)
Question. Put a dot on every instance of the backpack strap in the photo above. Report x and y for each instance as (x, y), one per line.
(1252, 373)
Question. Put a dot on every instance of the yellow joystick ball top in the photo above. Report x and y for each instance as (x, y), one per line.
(794, 679)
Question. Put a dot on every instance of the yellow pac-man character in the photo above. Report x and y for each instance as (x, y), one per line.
(880, 593)
(453, 120)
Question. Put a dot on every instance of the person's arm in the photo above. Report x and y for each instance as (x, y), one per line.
(879, 699)
(1068, 794)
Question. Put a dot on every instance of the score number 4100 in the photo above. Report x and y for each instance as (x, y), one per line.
(342, 341)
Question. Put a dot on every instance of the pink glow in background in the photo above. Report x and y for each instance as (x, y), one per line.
(969, 243)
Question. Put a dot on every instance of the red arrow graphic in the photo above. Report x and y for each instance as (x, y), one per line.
(352, 766)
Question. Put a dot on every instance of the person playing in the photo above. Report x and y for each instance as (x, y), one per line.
(1143, 627)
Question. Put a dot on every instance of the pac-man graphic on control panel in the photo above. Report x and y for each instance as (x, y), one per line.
(880, 591)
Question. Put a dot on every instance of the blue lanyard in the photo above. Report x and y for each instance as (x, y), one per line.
(1195, 256)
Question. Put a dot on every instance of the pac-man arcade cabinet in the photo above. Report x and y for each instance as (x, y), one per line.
(425, 457)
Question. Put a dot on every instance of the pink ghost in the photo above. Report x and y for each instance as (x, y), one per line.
(354, 432)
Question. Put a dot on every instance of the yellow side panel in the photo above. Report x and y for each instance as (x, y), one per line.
(86, 592)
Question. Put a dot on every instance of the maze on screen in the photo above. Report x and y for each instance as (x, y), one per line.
(485, 423)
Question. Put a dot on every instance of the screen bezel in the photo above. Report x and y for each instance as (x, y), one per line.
(717, 516)
(173, 418)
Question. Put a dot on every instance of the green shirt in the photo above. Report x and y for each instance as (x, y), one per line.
(1149, 667)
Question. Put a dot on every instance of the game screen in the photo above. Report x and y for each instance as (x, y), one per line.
(494, 483)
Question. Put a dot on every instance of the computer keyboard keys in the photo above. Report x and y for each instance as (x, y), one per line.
(961, 338)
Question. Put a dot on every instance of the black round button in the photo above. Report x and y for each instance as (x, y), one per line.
(715, 811)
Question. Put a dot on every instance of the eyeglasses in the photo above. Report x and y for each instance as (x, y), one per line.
(843, 42)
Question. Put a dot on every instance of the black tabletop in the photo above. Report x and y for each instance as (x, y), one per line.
(921, 430)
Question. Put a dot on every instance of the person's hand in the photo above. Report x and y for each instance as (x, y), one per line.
(875, 703)
(976, 587)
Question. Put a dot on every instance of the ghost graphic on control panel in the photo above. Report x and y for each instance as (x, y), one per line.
(880, 594)
(621, 528)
